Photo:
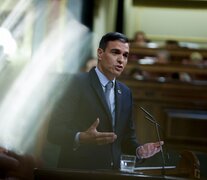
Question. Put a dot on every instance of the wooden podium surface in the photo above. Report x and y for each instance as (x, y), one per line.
(71, 174)
(187, 168)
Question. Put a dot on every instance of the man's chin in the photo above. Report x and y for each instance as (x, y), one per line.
(118, 74)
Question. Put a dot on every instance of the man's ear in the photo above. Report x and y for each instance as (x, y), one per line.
(99, 53)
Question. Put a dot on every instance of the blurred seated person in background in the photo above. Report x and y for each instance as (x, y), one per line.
(90, 63)
(140, 39)
(162, 57)
(171, 44)
(195, 58)
(137, 74)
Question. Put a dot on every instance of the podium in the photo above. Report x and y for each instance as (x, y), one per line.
(74, 174)
(187, 168)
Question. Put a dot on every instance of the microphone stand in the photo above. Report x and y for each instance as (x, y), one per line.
(157, 125)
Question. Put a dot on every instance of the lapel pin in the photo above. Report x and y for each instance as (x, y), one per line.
(119, 91)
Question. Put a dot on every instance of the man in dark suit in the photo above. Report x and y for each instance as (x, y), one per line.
(91, 133)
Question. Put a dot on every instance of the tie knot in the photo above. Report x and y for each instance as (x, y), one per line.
(109, 85)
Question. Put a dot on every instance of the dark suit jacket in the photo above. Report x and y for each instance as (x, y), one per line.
(82, 103)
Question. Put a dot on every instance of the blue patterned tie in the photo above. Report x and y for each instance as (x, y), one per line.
(108, 87)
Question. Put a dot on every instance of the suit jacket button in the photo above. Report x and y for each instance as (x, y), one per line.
(112, 163)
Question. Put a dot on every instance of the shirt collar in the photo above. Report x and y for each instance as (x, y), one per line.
(103, 79)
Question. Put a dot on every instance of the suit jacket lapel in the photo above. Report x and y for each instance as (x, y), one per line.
(99, 91)
(118, 103)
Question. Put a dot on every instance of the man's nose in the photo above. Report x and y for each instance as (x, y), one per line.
(120, 58)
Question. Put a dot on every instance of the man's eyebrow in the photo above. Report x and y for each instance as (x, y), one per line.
(118, 50)
(115, 49)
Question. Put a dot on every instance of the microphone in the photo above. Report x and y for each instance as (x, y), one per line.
(151, 118)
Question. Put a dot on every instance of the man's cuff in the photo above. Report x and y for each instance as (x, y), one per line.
(138, 154)
(76, 141)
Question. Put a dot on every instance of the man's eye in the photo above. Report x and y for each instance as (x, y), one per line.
(125, 55)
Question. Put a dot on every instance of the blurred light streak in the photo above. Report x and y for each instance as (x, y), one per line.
(6, 39)
(7, 42)
(27, 103)
(16, 13)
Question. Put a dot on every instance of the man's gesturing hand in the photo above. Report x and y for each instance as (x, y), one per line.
(149, 149)
(91, 135)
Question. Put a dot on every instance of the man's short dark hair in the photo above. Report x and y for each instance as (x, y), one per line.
(112, 36)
